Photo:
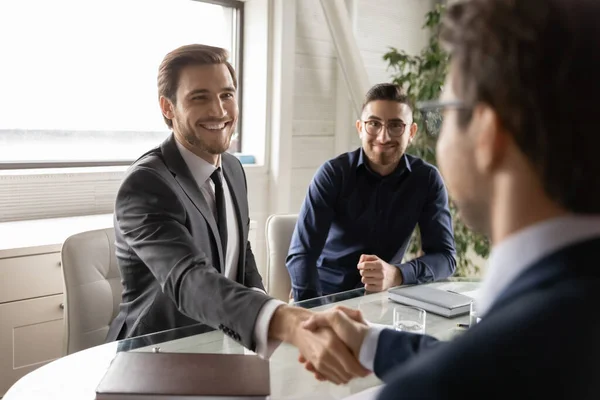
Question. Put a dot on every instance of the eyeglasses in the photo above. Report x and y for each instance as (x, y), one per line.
(394, 128)
(432, 113)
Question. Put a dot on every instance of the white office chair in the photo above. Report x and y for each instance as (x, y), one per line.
(92, 288)
(279, 230)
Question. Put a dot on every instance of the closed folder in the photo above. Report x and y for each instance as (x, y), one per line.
(437, 301)
(178, 376)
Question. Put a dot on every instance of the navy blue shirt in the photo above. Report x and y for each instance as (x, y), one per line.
(351, 210)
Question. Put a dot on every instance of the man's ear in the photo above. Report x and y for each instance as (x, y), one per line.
(359, 127)
(413, 131)
(490, 139)
(166, 107)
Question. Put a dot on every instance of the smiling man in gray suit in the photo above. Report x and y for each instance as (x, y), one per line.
(181, 222)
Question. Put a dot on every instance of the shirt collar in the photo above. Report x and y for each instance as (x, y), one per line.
(523, 249)
(402, 165)
(201, 169)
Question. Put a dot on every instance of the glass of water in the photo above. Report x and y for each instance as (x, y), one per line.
(409, 319)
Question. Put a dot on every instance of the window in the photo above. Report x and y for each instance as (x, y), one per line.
(79, 76)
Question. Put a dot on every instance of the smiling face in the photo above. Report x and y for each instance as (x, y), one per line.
(386, 116)
(205, 110)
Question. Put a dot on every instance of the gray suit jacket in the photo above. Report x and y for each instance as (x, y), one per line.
(169, 252)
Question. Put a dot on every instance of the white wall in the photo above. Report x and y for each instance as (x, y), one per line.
(314, 109)
(383, 24)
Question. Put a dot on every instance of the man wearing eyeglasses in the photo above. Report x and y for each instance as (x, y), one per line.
(362, 207)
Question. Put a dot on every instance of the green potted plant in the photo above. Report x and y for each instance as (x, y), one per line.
(422, 76)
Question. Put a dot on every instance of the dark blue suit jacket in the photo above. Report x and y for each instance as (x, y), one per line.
(540, 340)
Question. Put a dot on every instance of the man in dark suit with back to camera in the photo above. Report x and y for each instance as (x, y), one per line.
(181, 224)
(519, 154)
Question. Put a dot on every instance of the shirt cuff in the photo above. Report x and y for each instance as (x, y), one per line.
(408, 274)
(265, 346)
(259, 290)
(368, 349)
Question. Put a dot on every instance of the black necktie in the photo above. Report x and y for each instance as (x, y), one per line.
(221, 215)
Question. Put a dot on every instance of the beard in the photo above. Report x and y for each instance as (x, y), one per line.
(384, 158)
(205, 141)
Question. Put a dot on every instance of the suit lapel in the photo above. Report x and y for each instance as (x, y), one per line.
(237, 193)
(184, 178)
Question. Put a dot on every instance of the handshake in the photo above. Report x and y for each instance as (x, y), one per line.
(329, 341)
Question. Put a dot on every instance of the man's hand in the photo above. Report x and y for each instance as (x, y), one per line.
(327, 354)
(377, 275)
(346, 323)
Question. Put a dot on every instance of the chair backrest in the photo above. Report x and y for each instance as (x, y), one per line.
(279, 230)
(92, 288)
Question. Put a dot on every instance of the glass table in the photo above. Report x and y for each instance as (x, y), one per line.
(76, 376)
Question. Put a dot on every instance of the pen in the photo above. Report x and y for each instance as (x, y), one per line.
(465, 326)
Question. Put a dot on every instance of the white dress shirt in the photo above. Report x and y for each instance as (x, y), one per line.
(201, 171)
(509, 259)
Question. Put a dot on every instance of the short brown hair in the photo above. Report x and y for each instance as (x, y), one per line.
(535, 62)
(388, 92)
(184, 56)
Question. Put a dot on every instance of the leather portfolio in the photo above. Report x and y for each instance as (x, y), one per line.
(174, 376)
